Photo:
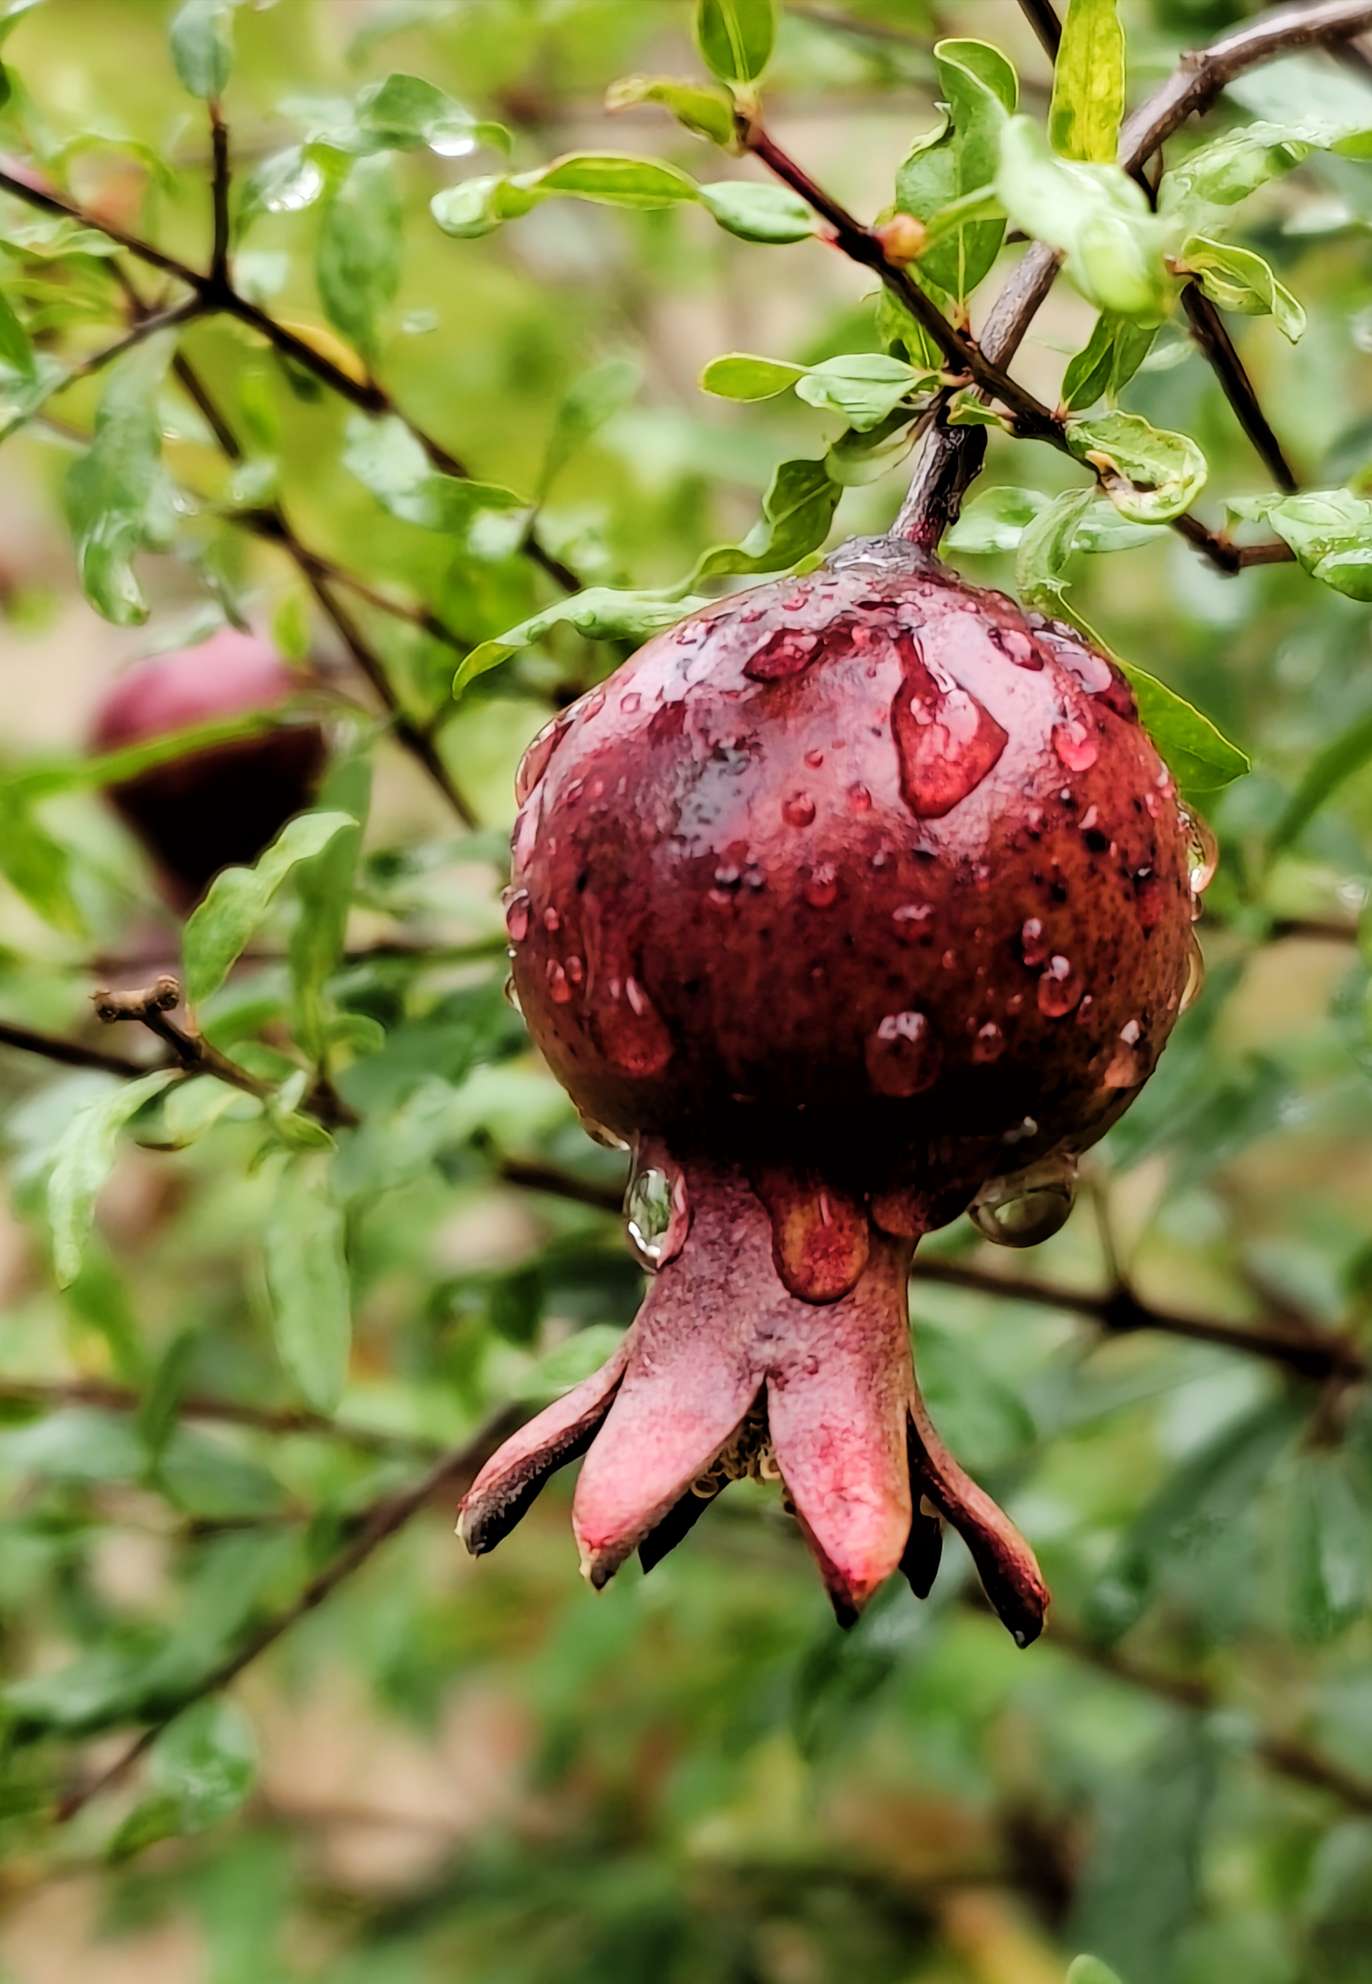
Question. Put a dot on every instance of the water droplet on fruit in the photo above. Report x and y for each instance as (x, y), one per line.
(1092, 670)
(1059, 988)
(1032, 1205)
(1127, 1065)
(946, 741)
(1033, 945)
(989, 1043)
(798, 809)
(1075, 745)
(910, 918)
(859, 798)
(656, 1212)
(631, 1031)
(1017, 646)
(902, 1057)
(511, 991)
(820, 889)
(517, 914)
(814, 759)
(576, 970)
(535, 760)
(1195, 975)
(1202, 853)
(782, 654)
(820, 1236)
(552, 922)
(559, 991)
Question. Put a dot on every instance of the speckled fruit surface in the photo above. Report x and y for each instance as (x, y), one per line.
(841, 902)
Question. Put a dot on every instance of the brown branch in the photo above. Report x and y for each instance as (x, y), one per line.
(219, 196)
(214, 292)
(1217, 347)
(385, 1518)
(1193, 86)
(56, 1393)
(1028, 417)
(1308, 1352)
(152, 1006)
(67, 1053)
(1285, 1754)
(1042, 18)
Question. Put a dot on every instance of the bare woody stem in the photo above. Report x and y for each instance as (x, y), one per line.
(980, 363)
(1207, 324)
(101, 1396)
(450, 1473)
(214, 293)
(1198, 79)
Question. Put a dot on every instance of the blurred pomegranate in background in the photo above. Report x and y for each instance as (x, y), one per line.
(848, 903)
(219, 805)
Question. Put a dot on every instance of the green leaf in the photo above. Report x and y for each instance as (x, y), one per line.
(116, 494)
(36, 866)
(82, 1160)
(200, 1769)
(387, 459)
(957, 162)
(238, 899)
(202, 45)
(1149, 474)
(405, 113)
(286, 182)
(707, 111)
(1328, 1547)
(1230, 168)
(1106, 362)
(567, 1363)
(617, 179)
(742, 375)
(587, 404)
(797, 511)
(1346, 753)
(1238, 279)
(358, 254)
(1138, 1887)
(756, 211)
(15, 348)
(600, 613)
(1090, 1970)
(1088, 83)
(1046, 544)
(1329, 530)
(995, 520)
(1095, 216)
(303, 1244)
(324, 886)
(1200, 757)
(735, 37)
(864, 386)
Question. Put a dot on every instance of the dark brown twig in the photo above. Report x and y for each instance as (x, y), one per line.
(219, 196)
(383, 1520)
(67, 1053)
(58, 1393)
(1198, 79)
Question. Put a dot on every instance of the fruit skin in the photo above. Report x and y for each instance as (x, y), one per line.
(839, 901)
(219, 806)
(739, 858)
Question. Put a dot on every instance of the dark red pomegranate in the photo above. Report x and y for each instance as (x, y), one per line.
(222, 804)
(848, 903)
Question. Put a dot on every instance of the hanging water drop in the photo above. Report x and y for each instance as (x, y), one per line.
(648, 1214)
(535, 760)
(1195, 975)
(517, 914)
(1075, 745)
(1202, 853)
(1059, 988)
(1031, 1206)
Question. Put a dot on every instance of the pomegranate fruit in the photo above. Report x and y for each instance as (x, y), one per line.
(220, 805)
(849, 902)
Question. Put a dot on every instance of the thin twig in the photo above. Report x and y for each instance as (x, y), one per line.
(58, 1393)
(219, 196)
(1207, 325)
(383, 1520)
(1189, 91)
(215, 293)
(1028, 417)
(67, 1053)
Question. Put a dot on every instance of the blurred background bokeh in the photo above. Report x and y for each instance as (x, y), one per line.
(486, 1772)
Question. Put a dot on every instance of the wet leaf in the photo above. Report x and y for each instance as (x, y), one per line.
(1238, 279)
(1149, 474)
(201, 35)
(1106, 362)
(387, 459)
(743, 375)
(757, 211)
(1096, 216)
(82, 1160)
(358, 255)
(116, 494)
(199, 1771)
(220, 926)
(305, 1254)
(700, 108)
(1329, 530)
(957, 162)
(735, 37)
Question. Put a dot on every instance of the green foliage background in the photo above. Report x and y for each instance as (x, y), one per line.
(221, 1362)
